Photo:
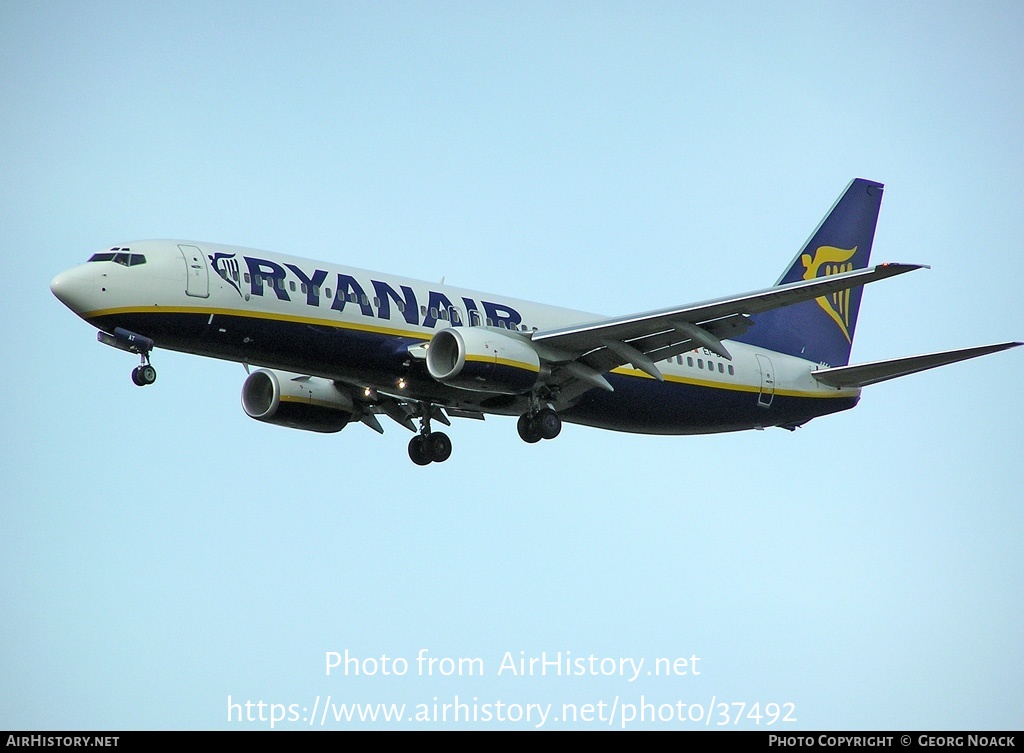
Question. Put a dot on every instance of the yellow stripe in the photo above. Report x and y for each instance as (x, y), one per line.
(256, 315)
(736, 387)
(504, 362)
(291, 318)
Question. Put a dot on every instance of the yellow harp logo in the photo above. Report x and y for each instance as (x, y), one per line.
(829, 260)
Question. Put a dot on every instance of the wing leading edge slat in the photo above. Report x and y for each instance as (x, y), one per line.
(582, 338)
(641, 339)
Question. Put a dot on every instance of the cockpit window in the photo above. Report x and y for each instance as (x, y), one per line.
(120, 256)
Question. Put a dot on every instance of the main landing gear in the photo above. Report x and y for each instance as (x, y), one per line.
(435, 447)
(425, 449)
(429, 446)
(538, 425)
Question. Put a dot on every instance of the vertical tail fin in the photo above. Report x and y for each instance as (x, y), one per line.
(822, 330)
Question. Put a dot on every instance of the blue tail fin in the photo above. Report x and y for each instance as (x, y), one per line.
(822, 330)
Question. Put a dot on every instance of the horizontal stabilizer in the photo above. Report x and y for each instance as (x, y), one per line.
(861, 375)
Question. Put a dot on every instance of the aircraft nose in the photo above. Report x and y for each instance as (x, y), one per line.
(67, 287)
(59, 286)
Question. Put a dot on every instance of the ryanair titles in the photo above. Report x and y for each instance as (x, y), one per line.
(377, 299)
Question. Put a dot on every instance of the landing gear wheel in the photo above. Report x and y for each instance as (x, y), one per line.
(143, 375)
(438, 446)
(548, 423)
(418, 450)
(430, 446)
(528, 429)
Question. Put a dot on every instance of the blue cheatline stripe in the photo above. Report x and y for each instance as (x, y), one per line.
(639, 403)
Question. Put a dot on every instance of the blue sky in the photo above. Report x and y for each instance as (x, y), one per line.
(161, 552)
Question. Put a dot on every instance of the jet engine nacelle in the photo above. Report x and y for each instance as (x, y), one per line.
(300, 402)
(480, 359)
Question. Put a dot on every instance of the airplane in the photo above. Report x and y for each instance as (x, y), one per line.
(337, 345)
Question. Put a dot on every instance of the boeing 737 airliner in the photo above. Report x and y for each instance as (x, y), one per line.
(336, 344)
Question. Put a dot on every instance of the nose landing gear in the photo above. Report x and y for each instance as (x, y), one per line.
(144, 374)
(131, 342)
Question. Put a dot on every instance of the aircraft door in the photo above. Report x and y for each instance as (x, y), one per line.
(197, 280)
(764, 398)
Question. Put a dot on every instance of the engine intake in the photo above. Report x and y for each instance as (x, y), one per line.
(296, 401)
(482, 360)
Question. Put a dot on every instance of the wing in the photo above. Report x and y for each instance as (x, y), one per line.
(583, 353)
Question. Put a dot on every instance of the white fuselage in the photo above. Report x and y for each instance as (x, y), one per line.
(361, 328)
